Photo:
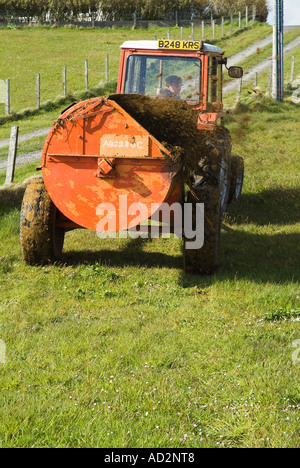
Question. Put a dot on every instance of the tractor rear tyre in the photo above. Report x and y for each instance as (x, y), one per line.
(236, 178)
(215, 170)
(41, 240)
(205, 260)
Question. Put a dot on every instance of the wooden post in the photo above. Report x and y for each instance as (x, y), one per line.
(106, 68)
(247, 15)
(86, 74)
(168, 34)
(213, 29)
(181, 33)
(239, 91)
(223, 26)
(240, 20)
(64, 81)
(38, 91)
(293, 69)
(7, 97)
(254, 13)
(192, 26)
(203, 30)
(12, 155)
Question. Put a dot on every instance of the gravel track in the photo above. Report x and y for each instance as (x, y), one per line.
(261, 67)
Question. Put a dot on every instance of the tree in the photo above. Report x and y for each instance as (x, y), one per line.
(226, 7)
(123, 10)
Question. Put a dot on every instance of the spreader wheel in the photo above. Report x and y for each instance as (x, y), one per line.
(205, 260)
(41, 240)
(236, 178)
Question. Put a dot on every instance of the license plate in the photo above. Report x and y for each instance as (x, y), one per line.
(179, 45)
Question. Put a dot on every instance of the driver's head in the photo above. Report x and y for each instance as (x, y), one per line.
(174, 83)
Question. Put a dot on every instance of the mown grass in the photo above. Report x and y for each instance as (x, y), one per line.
(116, 347)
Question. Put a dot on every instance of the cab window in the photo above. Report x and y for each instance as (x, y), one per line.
(147, 75)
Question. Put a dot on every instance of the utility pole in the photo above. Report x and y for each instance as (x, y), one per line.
(278, 31)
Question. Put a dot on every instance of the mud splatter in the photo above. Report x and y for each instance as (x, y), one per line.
(174, 124)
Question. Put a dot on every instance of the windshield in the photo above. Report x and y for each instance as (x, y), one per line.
(161, 76)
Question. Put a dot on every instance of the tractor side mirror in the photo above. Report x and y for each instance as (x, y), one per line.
(235, 72)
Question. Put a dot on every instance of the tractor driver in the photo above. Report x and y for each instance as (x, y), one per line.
(173, 87)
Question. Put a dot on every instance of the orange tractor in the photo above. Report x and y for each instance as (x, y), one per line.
(110, 163)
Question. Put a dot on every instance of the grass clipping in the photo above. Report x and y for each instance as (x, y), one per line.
(174, 124)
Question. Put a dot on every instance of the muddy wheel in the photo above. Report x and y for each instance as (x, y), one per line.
(236, 178)
(204, 260)
(215, 170)
(224, 185)
(41, 240)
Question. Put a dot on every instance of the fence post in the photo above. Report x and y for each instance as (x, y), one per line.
(255, 80)
(7, 97)
(168, 34)
(86, 74)
(293, 69)
(247, 15)
(106, 68)
(240, 20)
(192, 26)
(223, 26)
(213, 28)
(181, 33)
(239, 91)
(12, 155)
(203, 30)
(64, 81)
(38, 91)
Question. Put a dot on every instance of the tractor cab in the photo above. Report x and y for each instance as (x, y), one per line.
(185, 70)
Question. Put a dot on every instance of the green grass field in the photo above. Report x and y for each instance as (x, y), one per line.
(28, 51)
(116, 347)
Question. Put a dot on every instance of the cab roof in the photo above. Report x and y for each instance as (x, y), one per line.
(154, 45)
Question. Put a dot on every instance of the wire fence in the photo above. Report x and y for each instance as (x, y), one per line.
(98, 19)
(31, 90)
(261, 82)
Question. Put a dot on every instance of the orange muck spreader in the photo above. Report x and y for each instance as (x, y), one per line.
(155, 151)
